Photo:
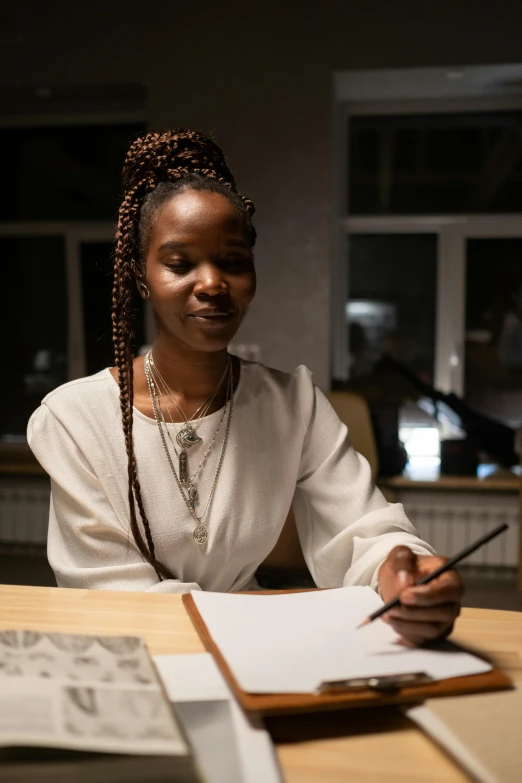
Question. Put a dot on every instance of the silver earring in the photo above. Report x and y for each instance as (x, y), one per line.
(142, 288)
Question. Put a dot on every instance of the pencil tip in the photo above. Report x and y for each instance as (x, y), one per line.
(364, 622)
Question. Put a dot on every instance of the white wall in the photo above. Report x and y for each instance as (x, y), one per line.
(259, 76)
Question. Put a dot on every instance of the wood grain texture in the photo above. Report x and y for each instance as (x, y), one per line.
(362, 746)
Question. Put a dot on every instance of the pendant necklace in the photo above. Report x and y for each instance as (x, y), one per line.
(187, 436)
(200, 532)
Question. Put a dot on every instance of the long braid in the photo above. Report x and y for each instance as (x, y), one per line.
(121, 320)
(174, 157)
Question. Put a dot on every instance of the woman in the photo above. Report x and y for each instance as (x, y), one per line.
(183, 477)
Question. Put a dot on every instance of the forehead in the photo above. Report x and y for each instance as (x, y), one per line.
(197, 213)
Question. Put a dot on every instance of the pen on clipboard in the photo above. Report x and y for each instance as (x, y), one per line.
(438, 571)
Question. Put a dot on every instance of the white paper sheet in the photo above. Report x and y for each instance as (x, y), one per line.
(229, 748)
(291, 643)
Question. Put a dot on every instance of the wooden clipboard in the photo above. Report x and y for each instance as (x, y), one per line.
(294, 703)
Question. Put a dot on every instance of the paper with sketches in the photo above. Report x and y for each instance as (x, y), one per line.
(96, 693)
(291, 643)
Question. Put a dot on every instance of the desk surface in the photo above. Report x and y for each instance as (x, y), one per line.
(374, 748)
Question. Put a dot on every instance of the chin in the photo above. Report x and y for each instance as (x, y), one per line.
(210, 343)
(212, 337)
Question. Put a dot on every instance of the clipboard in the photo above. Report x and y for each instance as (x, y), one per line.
(404, 689)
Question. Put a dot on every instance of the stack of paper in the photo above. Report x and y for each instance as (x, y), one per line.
(229, 747)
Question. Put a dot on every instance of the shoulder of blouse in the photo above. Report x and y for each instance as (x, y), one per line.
(90, 384)
(256, 374)
(291, 393)
(90, 393)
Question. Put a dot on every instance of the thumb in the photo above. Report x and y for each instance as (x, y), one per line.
(403, 562)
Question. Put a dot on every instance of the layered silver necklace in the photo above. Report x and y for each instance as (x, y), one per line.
(187, 437)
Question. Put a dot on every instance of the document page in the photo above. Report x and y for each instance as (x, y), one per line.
(291, 643)
(94, 693)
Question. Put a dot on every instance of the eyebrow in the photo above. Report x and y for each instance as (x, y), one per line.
(173, 245)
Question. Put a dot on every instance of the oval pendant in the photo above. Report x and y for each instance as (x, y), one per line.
(200, 534)
(187, 437)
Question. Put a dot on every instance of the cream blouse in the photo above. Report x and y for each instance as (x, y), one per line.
(287, 447)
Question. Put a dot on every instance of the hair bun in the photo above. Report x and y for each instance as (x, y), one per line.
(163, 157)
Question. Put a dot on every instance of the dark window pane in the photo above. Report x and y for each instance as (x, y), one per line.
(96, 264)
(68, 173)
(436, 164)
(493, 357)
(391, 309)
(34, 312)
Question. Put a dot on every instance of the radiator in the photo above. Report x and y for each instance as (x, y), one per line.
(448, 521)
(451, 521)
(24, 511)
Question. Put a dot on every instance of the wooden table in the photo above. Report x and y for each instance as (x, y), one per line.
(373, 746)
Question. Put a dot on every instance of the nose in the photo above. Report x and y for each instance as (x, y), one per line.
(210, 281)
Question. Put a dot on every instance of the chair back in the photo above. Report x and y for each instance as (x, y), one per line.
(353, 411)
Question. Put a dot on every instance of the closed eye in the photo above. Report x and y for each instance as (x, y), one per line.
(181, 267)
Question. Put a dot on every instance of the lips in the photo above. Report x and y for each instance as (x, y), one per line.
(211, 318)
(211, 314)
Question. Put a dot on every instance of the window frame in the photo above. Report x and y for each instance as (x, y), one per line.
(72, 235)
(73, 232)
(398, 93)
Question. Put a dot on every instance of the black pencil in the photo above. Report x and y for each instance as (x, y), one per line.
(438, 571)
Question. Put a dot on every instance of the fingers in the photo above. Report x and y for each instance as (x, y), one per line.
(426, 612)
(445, 589)
(402, 562)
(442, 613)
(420, 632)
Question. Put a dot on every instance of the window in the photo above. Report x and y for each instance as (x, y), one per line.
(57, 217)
(428, 265)
(433, 164)
(391, 301)
(63, 173)
(493, 337)
(34, 325)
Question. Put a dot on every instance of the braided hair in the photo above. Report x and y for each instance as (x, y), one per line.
(157, 166)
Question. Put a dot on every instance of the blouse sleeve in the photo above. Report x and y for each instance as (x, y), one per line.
(88, 546)
(345, 525)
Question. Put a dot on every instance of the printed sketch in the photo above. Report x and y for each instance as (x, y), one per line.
(78, 658)
(75, 643)
(17, 639)
(81, 692)
(120, 645)
(116, 713)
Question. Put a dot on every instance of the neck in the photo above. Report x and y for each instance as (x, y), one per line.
(193, 375)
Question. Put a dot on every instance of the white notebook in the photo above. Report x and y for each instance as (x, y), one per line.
(293, 642)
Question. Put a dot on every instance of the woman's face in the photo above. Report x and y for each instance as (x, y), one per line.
(199, 270)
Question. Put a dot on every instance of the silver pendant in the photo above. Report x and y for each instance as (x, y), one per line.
(187, 437)
(192, 496)
(200, 534)
(183, 467)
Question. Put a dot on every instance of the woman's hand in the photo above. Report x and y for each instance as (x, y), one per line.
(426, 612)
